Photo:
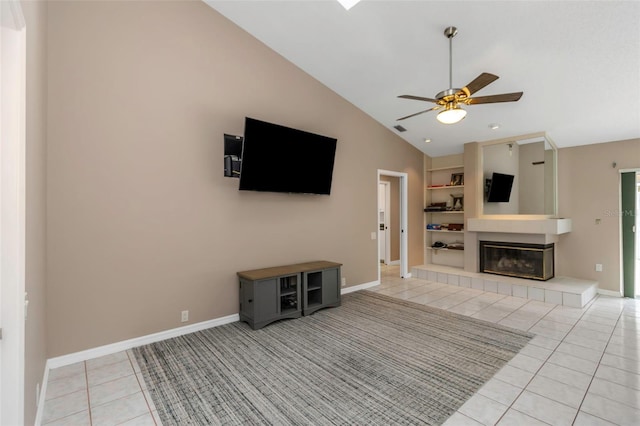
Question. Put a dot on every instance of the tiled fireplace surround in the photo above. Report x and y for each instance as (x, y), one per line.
(569, 291)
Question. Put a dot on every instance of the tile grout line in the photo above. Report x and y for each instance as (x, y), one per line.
(142, 390)
(468, 300)
(86, 376)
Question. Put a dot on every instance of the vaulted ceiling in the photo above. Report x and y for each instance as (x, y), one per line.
(577, 62)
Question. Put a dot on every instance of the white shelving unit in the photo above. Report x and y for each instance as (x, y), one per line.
(438, 189)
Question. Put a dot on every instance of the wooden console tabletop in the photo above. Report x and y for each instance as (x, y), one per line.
(276, 271)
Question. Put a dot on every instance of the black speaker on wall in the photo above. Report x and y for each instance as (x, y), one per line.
(232, 155)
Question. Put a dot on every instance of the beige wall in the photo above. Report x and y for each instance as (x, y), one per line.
(531, 178)
(497, 158)
(589, 189)
(141, 222)
(35, 326)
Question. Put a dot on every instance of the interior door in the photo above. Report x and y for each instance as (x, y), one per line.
(383, 222)
(628, 191)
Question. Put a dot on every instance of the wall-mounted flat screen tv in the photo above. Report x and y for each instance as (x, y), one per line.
(276, 158)
(499, 188)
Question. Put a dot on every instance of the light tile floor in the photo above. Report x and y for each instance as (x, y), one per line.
(582, 368)
(101, 391)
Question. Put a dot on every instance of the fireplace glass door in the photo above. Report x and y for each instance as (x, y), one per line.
(530, 261)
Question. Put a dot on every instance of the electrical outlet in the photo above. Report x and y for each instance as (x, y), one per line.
(598, 267)
(343, 282)
(373, 235)
(185, 316)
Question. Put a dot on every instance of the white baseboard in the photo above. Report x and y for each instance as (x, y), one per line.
(394, 263)
(112, 348)
(359, 287)
(609, 293)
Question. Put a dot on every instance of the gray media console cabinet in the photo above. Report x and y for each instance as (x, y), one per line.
(290, 291)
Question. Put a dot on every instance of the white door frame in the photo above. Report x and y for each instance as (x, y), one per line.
(385, 231)
(404, 225)
(12, 211)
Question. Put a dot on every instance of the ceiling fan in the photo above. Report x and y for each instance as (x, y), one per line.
(449, 100)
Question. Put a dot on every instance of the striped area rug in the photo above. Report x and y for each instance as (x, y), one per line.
(375, 360)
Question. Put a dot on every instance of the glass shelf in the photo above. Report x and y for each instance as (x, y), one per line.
(445, 187)
(447, 212)
(445, 168)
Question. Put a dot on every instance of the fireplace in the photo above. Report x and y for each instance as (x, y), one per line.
(531, 261)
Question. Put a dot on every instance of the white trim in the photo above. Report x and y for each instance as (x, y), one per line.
(394, 262)
(43, 394)
(12, 210)
(609, 293)
(16, 13)
(113, 348)
(359, 287)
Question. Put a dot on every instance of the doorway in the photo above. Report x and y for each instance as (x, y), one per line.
(402, 221)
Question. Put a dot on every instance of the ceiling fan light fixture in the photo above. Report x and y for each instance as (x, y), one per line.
(451, 115)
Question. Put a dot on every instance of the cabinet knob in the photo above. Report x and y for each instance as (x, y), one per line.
(250, 300)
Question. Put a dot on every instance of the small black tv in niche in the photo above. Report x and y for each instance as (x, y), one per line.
(232, 155)
(499, 188)
(276, 158)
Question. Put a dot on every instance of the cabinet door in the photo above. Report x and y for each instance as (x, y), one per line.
(331, 285)
(265, 299)
(313, 291)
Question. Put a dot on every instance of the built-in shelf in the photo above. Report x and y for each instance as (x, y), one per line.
(441, 173)
(445, 168)
(445, 187)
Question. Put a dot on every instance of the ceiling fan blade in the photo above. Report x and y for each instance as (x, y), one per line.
(418, 98)
(418, 113)
(481, 81)
(505, 97)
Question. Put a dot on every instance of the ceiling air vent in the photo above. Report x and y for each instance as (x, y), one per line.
(400, 128)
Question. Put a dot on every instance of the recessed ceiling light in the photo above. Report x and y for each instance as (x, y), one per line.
(427, 140)
(348, 4)
(494, 126)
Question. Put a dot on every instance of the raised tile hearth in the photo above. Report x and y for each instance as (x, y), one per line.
(573, 292)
